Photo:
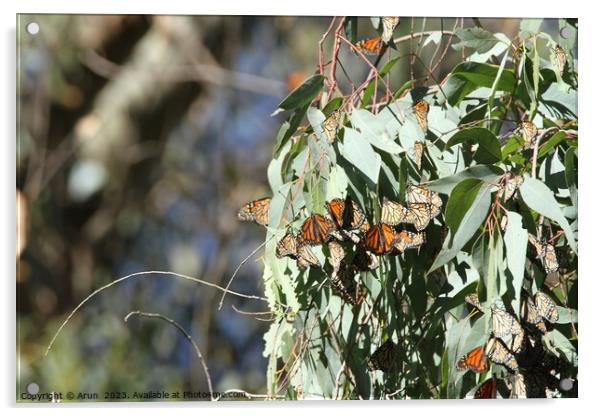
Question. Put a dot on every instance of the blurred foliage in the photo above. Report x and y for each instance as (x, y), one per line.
(501, 150)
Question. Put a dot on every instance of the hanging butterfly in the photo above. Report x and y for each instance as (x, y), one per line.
(344, 283)
(505, 324)
(406, 240)
(306, 258)
(330, 126)
(371, 46)
(546, 253)
(473, 299)
(256, 211)
(389, 25)
(418, 214)
(379, 239)
(421, 110)
(316, 229)
(385, 358)
(421, 194)
(560, 58)
(529, 132)
(518, 53)
(531, 315)
(498, 352)
(287, 246)
(475, 360)
(336, 255)
(364, 260)
(418, 152)
(512, 184)
(487, 390)
(546, 307)
(346, 214)
(519, 390)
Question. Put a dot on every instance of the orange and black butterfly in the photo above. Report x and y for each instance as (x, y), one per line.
(546, 253)
(529, 132)
(316, 230)
(344, 282)
(487, 390)
(385, 358)
(379, 239)
(371, 46)
(346, 214)
(475, 360)
(407, 240)
(560, 58)
(256, 211)
(306, 258)
(330, 126)
(418, 152)
(499, 353)
(421, 110)
(421, 194)
(389, 25)
(364, 260)
(287, 246)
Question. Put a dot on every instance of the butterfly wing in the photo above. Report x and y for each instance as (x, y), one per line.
(256, 211)
(475, 360)
(364, 260)
(487, 390)
(499, 353)
(420, 194)
(473, 299)
(379, 239)
(330, 126)
(560, 58)
(316, 229)
(418, 152)
(528, 132)
(344, 283)
(385, 358)
(418, 214)
(336, 209)
(407, 240)
(392, 212)
(421, 110)
(389, 25)
(511, 186)
(546, 307)
(371, 46)
(287, 246)
(306, 258)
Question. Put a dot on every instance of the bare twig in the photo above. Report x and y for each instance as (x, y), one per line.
(221, 301)
(147, 273)
(186, 334)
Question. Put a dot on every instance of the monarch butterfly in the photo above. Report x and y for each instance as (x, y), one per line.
(406, 240)
(531, 315)
(546, 253)
(345, 284)
(306, 258)
(519, 390)
(287, 246)
(473, 299)
(546, 307)
(336, 255)
(560, 58)
(499, 353)
(371, 46)
(379, 239)
(418, 213)
(518, 53)
(256, 211)
(385, 358)
(487, 389)
(420, 194)
(364, 260)
(421, 110)
(316, 229)
(503, 323)
(330, 126)
(512, 184)
(346, 214)
(389, 25)
(529, 132)
(475, 360)
(418, 151)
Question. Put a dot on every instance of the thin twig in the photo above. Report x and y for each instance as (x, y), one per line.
(147, 273)
(221, 301)
(186, 334)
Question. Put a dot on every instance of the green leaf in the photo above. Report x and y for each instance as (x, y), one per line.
(541, 199)
(475, 38)
(515, 240)
(406, 85)
(470, 223)
(373, 131)
(360, 154)
(351, 29)
(468, 76)
(460, 200)
(489, 150)
(486, 173)
(302, 95)
(289, 128)
(566, 316)
(570, 173)
(550, 144)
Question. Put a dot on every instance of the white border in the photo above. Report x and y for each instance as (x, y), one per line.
(590, 67)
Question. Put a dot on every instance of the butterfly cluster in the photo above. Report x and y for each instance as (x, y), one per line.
(517, 345)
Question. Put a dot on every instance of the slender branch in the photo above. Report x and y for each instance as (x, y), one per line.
(147, 273)
(186, 334)
(221, 301)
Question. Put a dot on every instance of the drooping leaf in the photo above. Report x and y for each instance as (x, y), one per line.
(489, 150)
(302, 95)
